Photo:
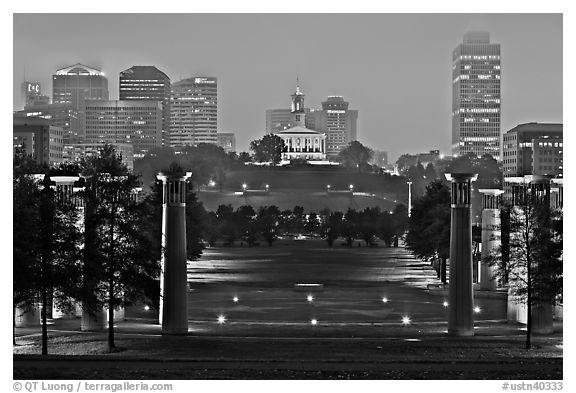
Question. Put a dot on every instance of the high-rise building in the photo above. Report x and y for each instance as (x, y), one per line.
(227, 141)
(338, 122)
(136, 122)
(194, 112)
(32, 94)
(476, 96)
(58, 115)
(148, 83)
(75, 84)
(534, 149)
(38, 138)
(278, 120)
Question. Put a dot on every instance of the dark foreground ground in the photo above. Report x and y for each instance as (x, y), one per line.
(268, 334)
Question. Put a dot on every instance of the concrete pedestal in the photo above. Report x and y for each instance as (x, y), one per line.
(490, 237)
(461, 293)
(174, 277)
(93, 322)
(516, 309)
(542, 318)
(28, 317)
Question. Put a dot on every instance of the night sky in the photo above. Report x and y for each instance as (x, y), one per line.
(394, 68)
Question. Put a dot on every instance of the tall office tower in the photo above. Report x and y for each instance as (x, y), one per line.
(476, 96)
(278, 120)
(136, 122)
(32, 94)
(339, 124)
(58, 115)
(148, 83)
(77, 83)
(194, 112)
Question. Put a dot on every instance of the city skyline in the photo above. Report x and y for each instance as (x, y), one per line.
(401, 86)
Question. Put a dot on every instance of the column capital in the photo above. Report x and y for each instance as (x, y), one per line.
(64, 180)
(491, 191)
(461, 193)
(167, 176)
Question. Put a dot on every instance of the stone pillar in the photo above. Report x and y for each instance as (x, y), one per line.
(174, 277)
(490, 236)
(461, 294)
(27, 317)
(93, 321)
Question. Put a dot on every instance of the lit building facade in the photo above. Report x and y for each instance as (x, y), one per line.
(227, 141)
(476, 96)
(64, 116)
(39, 139)
(74, 152)
(194, 112)
(338, 122)
(135, 122)
(534, 149)
(77, 83)
(148, 83)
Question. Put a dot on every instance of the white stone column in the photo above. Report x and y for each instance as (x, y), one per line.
(490, 236)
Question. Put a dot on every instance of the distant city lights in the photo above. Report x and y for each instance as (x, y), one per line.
(310, 298)
(384, 300)
(445, 304)
(314, 321)
(406, 320)
(235, 299)
(221, 319)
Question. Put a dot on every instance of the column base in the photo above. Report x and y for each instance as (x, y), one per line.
(461, 332)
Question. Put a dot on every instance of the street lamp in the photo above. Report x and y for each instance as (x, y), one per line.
(351, 187)
(409, 197)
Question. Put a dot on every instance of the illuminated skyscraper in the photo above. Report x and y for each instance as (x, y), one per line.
(476, 96)
(151, 84)
(194, 112)
(75, 84)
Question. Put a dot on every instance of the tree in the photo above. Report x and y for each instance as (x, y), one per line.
(126, 258)
(368, 222)
(267, 220)
(331, 226)
(268, 149)
(355, 156)
(349, 227)
(429, 226)
(533, 269)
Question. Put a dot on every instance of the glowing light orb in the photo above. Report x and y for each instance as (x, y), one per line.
(445, 304)
(314, 321)
(310, 298)
(477, 309)
(221, 319)
(406, 320)
(146, 308)
(384, 300)
(235, 299)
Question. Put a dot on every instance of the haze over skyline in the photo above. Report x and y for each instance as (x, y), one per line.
(395, 69)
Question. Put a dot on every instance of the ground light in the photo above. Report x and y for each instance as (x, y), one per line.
(146, 308)
(314, 321)
(384, 300)
(221, 319)
(310, 298)
(405, 320)
(477, 309)
(235, 299)
(445, 304)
